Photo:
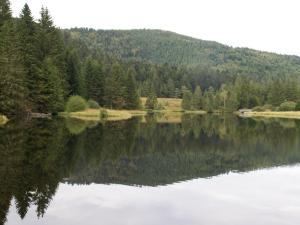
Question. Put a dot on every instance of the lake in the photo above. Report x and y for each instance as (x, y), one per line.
(194, 169)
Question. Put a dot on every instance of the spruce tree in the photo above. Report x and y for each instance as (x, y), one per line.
(187, 100)
(29, 53)
(114, 89)
(12, 87)
(93, 74)
(5, 11)
(132, 99)
(75, 80)
(197, 98)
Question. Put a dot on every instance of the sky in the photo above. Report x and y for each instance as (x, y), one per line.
(267, 25)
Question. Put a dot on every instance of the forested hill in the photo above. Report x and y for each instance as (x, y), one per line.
(167, 47)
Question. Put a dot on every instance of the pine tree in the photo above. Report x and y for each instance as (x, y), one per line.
(51, 97)
(114, 90)
(132, 98)
(197, 98)
(187, 100)
(12, 87)
(29, 53)
(93, 74)
(5, 11)
(75, 80)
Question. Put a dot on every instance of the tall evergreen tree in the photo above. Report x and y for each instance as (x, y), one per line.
(5, 11)
(197, 98)
(93, 74)
(132, 98)
(114, 90)
(75, 79)
(29, 53)
(12, 87)
(187, 100)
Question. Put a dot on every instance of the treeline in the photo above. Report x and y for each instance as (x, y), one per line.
(38, 71)
(273, 94)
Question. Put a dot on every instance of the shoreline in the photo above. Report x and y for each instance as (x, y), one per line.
(117, 115)
(272, 114)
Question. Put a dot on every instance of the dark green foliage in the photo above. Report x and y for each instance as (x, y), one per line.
(187, 100)
(73, 72)
(12, 75)
(197, 99)
(114, 88)
(132, 98)
(5, 11)
(93, 74)
(297, 108)
(76, 104)
(151, 102)
(166, 47)
(93, 104)
(287, 106)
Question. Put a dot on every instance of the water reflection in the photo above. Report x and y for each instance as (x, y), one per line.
(36, 156)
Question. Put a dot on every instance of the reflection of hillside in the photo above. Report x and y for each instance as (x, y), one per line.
(37, 155)
(199, 147)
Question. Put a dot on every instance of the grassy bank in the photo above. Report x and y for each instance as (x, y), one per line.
(3, 119)
(171, 107)
(272, 114)
(112, 115)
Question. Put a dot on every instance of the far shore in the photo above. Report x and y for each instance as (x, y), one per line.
(272, 114)
(117, 115)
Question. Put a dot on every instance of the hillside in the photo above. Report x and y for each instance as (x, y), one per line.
(167, 47)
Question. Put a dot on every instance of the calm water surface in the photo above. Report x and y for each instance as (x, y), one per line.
(156, 170)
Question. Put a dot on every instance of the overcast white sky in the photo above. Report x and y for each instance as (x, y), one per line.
(271, 25)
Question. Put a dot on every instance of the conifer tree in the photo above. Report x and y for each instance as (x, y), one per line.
(114, 90)
(29, 53)
(75, 80)
(187, 100)
(5, 11)
(197, 98)
(132, 99)
(12, 87)
(93, 74)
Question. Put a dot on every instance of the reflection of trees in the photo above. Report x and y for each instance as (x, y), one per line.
(201, 146)
(36, 156)
(32, 160)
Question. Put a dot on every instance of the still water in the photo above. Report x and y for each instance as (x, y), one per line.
(208, 170)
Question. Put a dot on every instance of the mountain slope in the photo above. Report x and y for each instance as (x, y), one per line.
(167, 47)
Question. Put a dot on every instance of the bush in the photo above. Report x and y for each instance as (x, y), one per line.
(93, 104)
(258, 109)
(268, 107)
(287, 106)
(103, 113)
(76, 104)
(297, 108)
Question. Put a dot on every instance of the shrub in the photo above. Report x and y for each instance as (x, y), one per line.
(76, 104)
(93, 104)
(258, 109)
(103, 113)
(268, 107)
(287, 106)
(297, 108)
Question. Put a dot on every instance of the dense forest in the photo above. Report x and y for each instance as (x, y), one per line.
(41, 67)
